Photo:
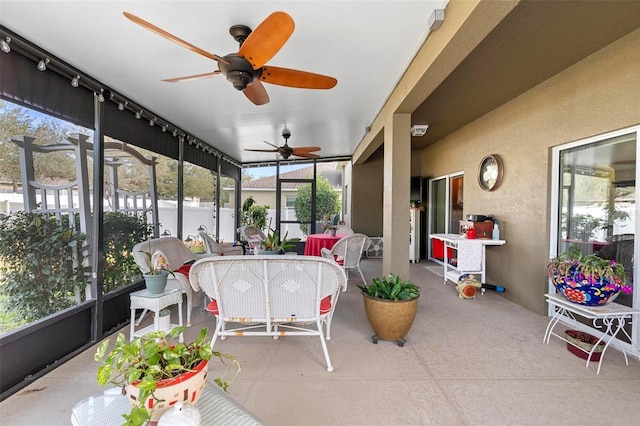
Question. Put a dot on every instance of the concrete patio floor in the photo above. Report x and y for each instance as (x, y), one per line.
(466, 362)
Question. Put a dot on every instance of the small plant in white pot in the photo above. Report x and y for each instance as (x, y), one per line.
(152, 371)
(164, 320)
(156, 278)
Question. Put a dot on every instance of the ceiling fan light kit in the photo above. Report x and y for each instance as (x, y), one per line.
(246, 69)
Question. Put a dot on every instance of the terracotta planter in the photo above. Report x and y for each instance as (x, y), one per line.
(390, 320)
(185, 388)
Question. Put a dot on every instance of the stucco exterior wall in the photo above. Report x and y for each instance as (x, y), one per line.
(367, 195)
(595, 96)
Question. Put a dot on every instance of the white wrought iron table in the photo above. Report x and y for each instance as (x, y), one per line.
(155, 302)
(216, 408)
(612, 318)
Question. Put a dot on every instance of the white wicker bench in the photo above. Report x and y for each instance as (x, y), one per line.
(270, 295)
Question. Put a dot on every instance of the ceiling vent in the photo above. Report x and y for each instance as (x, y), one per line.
(419, 129)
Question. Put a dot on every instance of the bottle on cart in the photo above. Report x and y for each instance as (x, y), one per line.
(496, 231)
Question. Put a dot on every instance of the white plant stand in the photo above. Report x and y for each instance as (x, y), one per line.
(612, 318)
(155, 302)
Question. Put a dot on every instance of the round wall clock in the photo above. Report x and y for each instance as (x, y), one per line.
(490, 172)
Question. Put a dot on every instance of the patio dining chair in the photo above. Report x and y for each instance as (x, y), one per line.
(347, 252)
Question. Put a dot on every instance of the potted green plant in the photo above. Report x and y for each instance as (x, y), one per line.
(390, 304)
(156, 279)
(149, 369)
(277, 245)
(587, 280)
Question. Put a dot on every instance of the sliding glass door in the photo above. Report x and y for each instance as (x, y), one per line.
(445, 210)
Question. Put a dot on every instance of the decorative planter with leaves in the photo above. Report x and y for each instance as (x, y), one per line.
(587, 280)
(149, 368)
(390, 304)
(277, 245)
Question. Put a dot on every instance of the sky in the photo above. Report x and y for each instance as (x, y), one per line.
(258, 172)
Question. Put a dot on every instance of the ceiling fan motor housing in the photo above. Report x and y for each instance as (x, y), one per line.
(239, 71)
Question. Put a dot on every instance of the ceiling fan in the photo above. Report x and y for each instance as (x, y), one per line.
(286, 151)
(246, 69)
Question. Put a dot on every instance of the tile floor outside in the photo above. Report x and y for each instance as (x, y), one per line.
(466, 362)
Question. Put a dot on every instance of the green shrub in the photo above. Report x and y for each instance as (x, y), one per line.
(41, 260)
(121, 232)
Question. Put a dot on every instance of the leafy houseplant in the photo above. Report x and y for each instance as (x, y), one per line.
(391, 287)
(149, 359)
(156, 278)
(277, 244)
(390, 304)
(253, 214)
(587, 280)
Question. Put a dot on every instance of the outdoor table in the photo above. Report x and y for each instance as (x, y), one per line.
(155, 302)
(216, 408)
(316, 242)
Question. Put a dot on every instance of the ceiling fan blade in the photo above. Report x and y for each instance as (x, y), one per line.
(306, 149)
(295, 78)
(267, 39)
(262, 150)
(256, 93)
(269, 143)
(305, 155)
(192, 77)
(169, 36)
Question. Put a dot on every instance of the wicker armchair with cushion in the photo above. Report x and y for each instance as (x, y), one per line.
(254, 236)
(179, 258)
(220, 249)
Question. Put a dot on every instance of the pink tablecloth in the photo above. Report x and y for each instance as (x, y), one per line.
(315, 243)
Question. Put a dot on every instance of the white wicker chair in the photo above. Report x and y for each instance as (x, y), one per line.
(254, 236)
(215, 247)
(177, 255)
(347, 252)
(270, 295)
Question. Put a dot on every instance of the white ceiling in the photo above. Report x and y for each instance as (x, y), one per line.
(365, 45)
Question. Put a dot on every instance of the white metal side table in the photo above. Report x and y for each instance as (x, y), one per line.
(155, 302)
(216, 408)
(612, 318)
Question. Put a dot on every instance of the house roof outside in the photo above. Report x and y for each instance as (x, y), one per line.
(328, 170)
